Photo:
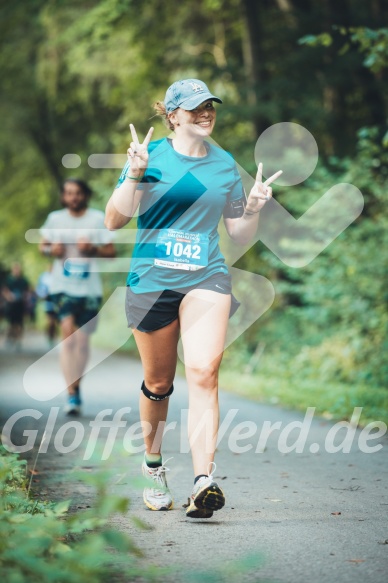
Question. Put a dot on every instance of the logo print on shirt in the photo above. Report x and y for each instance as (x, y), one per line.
(196, 87)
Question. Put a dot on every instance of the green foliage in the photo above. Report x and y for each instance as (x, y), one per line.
(42, 542)
(317, 40)
(344, 291)
(372, 43)
(327, 330)
(74, 74)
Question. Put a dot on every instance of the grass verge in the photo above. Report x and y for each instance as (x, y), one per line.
(276, 383)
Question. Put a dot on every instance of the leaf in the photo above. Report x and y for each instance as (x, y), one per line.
(60, 548)
(62, 507)
(141, 524)
(121, 542)
(111, 504)
(19, 518)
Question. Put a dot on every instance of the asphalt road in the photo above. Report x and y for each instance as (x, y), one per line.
(317, 515)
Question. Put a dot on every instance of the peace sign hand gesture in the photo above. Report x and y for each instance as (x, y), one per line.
(261, 191)
(138, 153)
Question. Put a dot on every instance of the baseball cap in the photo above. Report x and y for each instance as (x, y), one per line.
(187, 94)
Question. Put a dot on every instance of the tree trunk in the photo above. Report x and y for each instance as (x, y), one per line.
(254, 59)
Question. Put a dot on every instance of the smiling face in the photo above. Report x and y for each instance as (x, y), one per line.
(199, 121)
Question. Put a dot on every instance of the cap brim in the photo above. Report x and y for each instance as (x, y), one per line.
(195, 100)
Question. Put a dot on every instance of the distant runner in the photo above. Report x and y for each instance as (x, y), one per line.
(43, 292)
(75, 236)
(15, 292)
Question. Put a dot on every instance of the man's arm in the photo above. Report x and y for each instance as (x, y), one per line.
(88, 249)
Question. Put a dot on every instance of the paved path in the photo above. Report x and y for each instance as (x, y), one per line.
(318, 517)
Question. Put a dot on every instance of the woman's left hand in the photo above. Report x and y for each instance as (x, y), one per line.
(261, 191)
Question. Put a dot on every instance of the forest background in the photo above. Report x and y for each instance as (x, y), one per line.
(74, 74)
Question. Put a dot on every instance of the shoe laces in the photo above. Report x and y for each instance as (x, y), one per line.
(158, 475)
(210, 470)
(211, 466)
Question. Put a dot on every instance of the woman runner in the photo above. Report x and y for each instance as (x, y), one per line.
(179, 282)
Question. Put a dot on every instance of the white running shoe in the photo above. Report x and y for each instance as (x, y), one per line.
(158, 496)
(206, 497)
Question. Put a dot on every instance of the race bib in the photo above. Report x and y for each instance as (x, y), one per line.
(181, 250)
(76, 268)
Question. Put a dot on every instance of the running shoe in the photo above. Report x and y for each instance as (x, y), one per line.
(206, 497)
(157, 496)
(73, 406)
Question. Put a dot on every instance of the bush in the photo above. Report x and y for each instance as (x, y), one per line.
(42, 542)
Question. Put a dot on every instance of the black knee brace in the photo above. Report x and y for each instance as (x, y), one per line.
(154, 396)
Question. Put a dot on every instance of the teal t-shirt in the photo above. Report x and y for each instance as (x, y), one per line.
(177, 242)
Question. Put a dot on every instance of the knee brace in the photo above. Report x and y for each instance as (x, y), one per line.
(154, 396)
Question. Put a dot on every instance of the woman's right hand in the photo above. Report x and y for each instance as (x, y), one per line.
(138, 153)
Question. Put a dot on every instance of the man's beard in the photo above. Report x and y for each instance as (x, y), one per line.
(80, 206)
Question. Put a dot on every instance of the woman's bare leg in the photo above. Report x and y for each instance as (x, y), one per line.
(204, 318)
(158, 353)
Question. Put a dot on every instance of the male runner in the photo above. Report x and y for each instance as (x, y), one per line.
(75, 236)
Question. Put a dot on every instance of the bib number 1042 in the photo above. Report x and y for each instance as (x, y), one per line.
(176, 249)
(180, 249)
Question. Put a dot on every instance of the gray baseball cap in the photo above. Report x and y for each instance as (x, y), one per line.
(187, 94)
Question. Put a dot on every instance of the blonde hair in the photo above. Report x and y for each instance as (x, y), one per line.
(160, 110)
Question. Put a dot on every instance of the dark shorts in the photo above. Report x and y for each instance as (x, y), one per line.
(49, 307)
(154, 310)
(15, 312)
(84, 310)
